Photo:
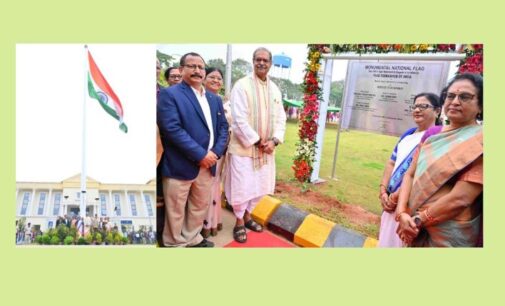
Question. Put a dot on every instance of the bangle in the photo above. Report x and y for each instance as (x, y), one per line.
(397, 218)
(391, 199)
(428, 216)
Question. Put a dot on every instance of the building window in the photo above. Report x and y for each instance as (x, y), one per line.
(42, 202)
(103, 205)
(132, 204)
(147, 199)
(78, 195)
(26, 199)
(57, 202)
(117, 204)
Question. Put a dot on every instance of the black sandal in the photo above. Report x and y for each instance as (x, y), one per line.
(253, 226)
(239, 234)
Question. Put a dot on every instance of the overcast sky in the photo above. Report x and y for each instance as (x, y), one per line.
(50, 89)
(297, 52)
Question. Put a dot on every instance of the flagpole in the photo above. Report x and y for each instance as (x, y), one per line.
(83, 170)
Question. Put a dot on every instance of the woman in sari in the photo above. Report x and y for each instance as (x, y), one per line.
(213, 223)
(440, 202)
(425, 112)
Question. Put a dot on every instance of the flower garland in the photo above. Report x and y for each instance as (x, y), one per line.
(473, 62)
(306, 146)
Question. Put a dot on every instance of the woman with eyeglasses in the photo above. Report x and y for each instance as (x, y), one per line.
(425, 112)
(440, 202)
(213, 82)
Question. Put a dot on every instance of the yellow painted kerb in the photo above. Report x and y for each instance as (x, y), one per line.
(313, 232)
(265, 209)
(370, 243)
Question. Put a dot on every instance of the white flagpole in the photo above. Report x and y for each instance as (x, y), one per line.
(82, 208)
(227, 86)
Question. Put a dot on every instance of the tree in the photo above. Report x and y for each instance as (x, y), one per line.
(165, 59)
(336, 92)
(288, 89)
(217, 63)
(239, 69)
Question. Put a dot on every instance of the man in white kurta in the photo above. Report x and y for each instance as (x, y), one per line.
(258, 126)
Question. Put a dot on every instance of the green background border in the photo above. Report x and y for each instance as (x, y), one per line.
(75, 276)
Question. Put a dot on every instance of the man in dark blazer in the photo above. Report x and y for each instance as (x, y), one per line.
(194, 133)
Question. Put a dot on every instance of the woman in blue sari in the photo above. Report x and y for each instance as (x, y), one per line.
(425, 112)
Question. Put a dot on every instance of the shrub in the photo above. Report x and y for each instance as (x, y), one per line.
(55, 240)
(63, 231)
(81, 241)
(89, 238)
(109, 239)
(46, 239)
(117, 238)
(98, 238)
(73, 232)
(38, 239)
(68, 240)
(124, 240)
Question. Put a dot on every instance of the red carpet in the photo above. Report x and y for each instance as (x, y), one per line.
(260, 240)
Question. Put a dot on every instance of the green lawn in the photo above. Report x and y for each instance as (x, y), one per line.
(360, 164)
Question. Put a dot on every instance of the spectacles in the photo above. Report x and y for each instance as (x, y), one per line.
(421, 107)
(175, 76)
(462, 97)
(259, 60)
(193, 67)
(214, 78)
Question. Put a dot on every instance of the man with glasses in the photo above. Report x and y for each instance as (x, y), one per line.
(258, 125)
(173, 76)
(194, 133)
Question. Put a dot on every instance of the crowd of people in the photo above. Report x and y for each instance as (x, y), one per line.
(431, 190)
(206, 141)
(87, 226)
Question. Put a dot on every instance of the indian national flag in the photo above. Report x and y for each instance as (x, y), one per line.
(99, 89)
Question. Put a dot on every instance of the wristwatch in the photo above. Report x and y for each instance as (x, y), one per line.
(417, 221)
(276, 141)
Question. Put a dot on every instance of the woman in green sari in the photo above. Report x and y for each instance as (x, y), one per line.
(440, 201)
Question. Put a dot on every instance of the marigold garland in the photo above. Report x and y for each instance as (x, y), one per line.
(306, 146)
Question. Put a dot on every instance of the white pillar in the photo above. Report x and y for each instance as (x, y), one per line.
(30, 210)
(323, 108)
(144, 204)
(110, 207)
(48, 210)
(127, 202)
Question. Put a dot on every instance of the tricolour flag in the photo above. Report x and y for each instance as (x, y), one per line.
(99, 89)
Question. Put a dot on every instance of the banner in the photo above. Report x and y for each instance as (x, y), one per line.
(378, 95)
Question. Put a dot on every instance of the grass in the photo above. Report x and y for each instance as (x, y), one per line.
(359, 168)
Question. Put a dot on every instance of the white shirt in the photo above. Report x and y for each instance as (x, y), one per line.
(204, 104)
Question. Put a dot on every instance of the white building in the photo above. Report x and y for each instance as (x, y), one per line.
(126, 205)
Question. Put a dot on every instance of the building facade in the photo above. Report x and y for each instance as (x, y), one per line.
(128, 206)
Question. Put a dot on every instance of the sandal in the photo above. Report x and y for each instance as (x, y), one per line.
(253, 226)
(239, 234)
(213, 231)
(205, 232)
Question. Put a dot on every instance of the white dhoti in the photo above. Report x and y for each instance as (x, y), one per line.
(244, 186)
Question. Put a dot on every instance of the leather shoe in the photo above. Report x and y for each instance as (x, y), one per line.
(204, 244)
